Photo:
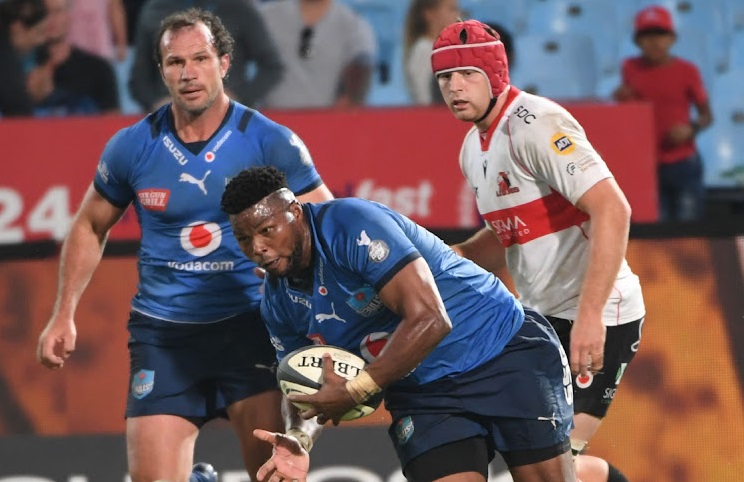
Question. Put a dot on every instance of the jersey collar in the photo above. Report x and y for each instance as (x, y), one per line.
(485, 139)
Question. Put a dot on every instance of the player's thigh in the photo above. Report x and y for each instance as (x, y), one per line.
(160, 447)
(462, 461)
(556, 469)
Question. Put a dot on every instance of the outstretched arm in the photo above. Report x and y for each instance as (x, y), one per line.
(81, 253)
(290, 458)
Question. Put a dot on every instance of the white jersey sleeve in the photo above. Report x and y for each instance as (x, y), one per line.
(554, 148)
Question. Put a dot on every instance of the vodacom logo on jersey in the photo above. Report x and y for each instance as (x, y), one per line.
(199, 239)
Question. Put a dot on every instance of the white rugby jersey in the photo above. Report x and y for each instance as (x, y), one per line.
(528, 172)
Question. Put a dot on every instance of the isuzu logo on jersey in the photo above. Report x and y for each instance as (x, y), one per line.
(177, 154)
(154, 199)
(562, 144)
(300, 300)
(201, 237)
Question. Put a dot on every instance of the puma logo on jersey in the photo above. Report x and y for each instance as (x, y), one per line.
(186, 177)
(321, 317)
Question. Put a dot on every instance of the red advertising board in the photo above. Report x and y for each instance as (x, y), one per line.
(405, 158)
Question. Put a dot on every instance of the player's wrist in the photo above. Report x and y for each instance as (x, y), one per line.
(362, 387)
(305, 440)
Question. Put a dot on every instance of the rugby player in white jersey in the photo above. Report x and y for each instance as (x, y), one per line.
(554, 215)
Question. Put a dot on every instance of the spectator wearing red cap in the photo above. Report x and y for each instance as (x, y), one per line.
(671, 85)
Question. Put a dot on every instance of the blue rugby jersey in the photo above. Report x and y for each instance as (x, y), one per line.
(190, 267)
(360, 245)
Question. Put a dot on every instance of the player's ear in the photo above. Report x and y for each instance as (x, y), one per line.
(295, 207)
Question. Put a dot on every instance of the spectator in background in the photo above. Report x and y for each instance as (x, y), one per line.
(66, 80)
(672, 85)
(253, 48)
(100, 27)
(424, 21)
(329, 52)
(22, 28)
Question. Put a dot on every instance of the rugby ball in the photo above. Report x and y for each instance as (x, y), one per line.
(301, 372)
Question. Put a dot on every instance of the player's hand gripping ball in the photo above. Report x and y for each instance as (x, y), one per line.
(301, 372)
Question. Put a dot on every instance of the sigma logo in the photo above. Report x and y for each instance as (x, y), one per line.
(201, 237)
(177, 154)
(509, 225)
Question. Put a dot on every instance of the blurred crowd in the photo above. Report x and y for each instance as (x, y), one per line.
(294, 54)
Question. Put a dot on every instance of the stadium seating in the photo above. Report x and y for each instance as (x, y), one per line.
(736, 54)
(560, 66)
(393, 92)
(587, 17)
(122, 71)
(722, 145)
(508, 13)
(387, 18)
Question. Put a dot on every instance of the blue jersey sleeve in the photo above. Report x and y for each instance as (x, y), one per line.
(366, 238)
(112, 180)
(287, 152)
(285, 326)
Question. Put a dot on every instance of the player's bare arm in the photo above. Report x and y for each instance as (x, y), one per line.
(413, 295)
(81, 253)
(609, 211)
(485, 249)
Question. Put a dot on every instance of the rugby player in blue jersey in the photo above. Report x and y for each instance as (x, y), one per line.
(198, 347)
(466, 370)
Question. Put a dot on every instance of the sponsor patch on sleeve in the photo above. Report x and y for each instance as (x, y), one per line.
(562, 144)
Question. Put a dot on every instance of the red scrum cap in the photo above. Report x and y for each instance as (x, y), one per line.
(475, 46)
